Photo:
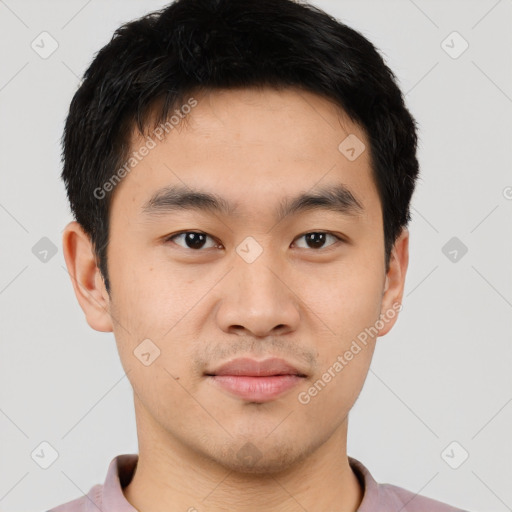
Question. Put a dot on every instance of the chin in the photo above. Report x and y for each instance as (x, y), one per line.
(255, 459)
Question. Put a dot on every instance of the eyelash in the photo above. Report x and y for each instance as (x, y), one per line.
(338, 239)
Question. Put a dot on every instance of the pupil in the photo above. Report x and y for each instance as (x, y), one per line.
(195, 240)
(316, 239)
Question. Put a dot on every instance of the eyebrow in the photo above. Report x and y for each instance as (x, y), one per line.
(336, 197)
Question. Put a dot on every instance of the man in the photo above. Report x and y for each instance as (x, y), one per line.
(240, 172)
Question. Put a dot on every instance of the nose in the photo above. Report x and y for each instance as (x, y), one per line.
(257, 300)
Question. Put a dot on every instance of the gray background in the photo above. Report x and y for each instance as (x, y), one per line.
(441, 375)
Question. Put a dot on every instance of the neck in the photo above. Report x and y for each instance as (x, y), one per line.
(172, 477)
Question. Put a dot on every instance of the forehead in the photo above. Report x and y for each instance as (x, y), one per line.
(252, 146)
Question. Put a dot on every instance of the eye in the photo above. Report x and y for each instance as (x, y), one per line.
(192, 239)
(196, 240)
(316, 239)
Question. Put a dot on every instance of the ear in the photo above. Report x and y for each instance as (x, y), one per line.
(395, 282)
(86, 277)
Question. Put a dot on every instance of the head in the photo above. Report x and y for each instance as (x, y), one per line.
(279, 137)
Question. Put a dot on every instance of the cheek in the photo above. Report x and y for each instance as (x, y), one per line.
(335, 386)
(344, 298)
(155, 354)
(347, 306)
(148, 295)
(153, 307)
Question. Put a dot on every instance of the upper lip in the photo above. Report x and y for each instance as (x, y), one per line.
(253, 368)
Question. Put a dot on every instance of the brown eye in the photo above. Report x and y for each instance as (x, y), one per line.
(317, 239)
(191, 240)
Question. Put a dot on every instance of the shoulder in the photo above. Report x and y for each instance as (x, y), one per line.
(408, 501)
(109, 495)
(91, 502)
(392, 498)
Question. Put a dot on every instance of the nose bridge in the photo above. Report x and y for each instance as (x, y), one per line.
(259, 299)
(256, 268)
(260, 279)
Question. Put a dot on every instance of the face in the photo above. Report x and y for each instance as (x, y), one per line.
(249, 271)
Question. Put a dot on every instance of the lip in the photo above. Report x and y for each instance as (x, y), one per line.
(257, 381)
(252, 368)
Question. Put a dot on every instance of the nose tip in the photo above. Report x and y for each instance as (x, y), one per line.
(256, 301)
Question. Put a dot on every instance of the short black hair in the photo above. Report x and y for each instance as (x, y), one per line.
(191, 45)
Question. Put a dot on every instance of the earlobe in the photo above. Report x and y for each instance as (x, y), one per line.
(395, 281)
(86, 278)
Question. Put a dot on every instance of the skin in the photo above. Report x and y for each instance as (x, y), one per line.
(205, 306)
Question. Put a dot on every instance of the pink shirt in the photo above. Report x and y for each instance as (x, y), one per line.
(109, 497)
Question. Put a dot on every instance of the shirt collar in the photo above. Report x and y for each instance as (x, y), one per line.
(119, 475)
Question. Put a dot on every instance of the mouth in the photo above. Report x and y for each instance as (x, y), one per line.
(256, 381)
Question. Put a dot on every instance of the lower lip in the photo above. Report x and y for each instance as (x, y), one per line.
(257, 389)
